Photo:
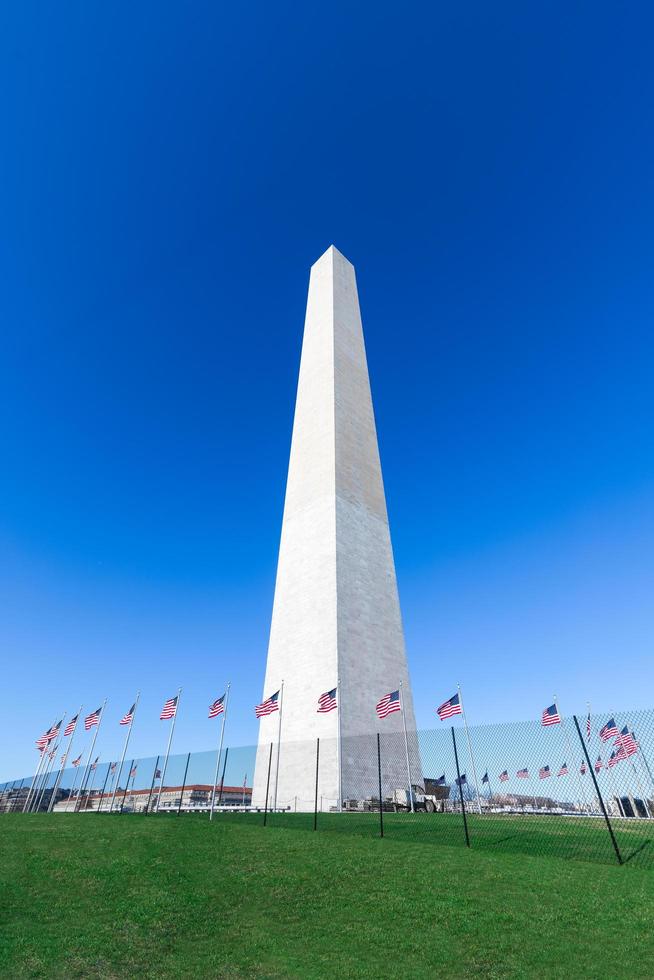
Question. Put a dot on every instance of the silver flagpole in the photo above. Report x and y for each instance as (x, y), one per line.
(279, 742)
(339, 757)
(30, 795)
(406, 748)
(170, 738)
(220, 749)
(122, 758)
(472, 758)
(28, 798)
(568, 746)
(44, 782)
(64, 761)
(34, 778)
(82, 785)
(72, 788)
(36, 802)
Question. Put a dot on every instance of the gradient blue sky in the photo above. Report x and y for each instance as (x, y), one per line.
(169, 172)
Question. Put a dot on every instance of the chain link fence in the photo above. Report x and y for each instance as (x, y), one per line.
(582, 789)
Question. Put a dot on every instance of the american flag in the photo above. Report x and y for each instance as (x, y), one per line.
(627, 742)
(327, 702)
(129, 717)
(551, 716)
(157, 773)
(588, 726)
(388, 704)
(484, 778)
(462, 781)
(522, 774)
(94, 765)
(441, 780)
(92, 719)
(544, 772)
(268, 706)
(63, 759)
(583, 769)
(449, 708)
(598, 763)
(563, 771)
(46, 738)
(52, 753)
(613, 760)
(112, 767)
(70, 727)
(504, 776)
(77, 761)
(610, 730)
(169, 709)
(132, 772)
(218, 707)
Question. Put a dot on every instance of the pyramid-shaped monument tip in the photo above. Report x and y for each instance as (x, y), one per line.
(331, 253)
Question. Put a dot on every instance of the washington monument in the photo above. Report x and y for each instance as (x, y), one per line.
(336, 619)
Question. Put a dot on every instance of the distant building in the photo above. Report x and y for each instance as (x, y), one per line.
(195, 796)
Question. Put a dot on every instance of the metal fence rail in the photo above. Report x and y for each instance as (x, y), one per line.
(581, 789)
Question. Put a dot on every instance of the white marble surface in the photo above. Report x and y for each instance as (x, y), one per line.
(336, 616)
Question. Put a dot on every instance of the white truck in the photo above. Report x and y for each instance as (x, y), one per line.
(422, 802)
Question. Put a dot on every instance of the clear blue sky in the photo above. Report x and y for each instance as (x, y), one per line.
(169, 172)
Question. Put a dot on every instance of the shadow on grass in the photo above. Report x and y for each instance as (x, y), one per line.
(636, 851)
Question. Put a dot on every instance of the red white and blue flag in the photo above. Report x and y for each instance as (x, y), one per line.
(77, 761)
(563, 771)
(551, 716)
(388, 704)
(268, 706)
(544, 772)
(522, 774)
(169, 709)
(449, 708)
(504, 776)
(610, 730)
(462, 781)
(157, 773)
(94, 765)
(583, 769)
(92, 719)
(132, 772)
(218, 707)
(613, 760)
(627, 742)
(129, 717)
(588, 726)
(46, 738)
(598, 763)
(327, 702)
(70, 727)
(112, 767)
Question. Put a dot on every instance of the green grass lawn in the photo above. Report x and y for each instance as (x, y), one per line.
(100, 896)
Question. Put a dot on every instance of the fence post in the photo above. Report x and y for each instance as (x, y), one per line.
(154, 776)
(181, 795)
(381, 810)
(315, 802)
(458, 779)
(222, 778)
(265, 811)
(122, 804)
(599, 795)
